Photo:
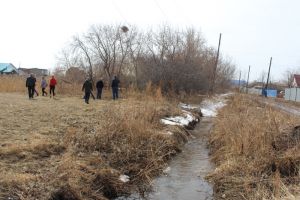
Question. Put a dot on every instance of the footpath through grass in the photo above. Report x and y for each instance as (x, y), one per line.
(257, 152)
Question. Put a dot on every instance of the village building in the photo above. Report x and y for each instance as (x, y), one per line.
(36, 71)
(8, 68)
(296, 81)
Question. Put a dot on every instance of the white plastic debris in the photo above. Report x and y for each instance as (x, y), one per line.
(167, 170)
(179, 120)
(124, 178)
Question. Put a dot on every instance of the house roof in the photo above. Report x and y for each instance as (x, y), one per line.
(7, 68)
(297, 79)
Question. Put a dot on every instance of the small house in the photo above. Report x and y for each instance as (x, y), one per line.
(8, 68)
(296, 81)
(36, 71)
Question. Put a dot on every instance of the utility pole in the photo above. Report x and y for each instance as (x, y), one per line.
(269, 73)
(248, 79)
(215, 66)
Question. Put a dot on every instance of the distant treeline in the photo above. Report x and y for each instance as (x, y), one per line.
(177, 60)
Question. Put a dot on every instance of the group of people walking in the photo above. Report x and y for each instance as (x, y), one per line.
(87, 87)
(31, 84)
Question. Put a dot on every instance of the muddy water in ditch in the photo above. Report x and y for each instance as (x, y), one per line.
(185, 177)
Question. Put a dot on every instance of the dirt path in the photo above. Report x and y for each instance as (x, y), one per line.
(279, 105)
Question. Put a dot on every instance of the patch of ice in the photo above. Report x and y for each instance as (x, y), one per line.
(179, 120)
(187, 106)
(210, 107)
(169, 122)
(124, 178)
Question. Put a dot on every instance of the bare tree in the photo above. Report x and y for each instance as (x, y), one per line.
(174, 59)
(80, 46)
(110, 46)
(262, 77)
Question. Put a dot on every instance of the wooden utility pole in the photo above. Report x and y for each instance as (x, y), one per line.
(212, 86)
(248, 79)
(269, 73)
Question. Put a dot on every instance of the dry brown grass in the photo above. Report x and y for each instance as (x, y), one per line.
(64, 149)
(16, 83)
(12, 83)
(257, 152)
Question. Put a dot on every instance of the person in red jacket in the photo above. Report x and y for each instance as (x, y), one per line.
(52, 85)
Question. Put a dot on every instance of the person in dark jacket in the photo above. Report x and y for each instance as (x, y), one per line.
(30, 84)
(115, 88)
(99, 87)
(87, 88)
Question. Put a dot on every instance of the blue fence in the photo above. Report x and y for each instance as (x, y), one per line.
(269, 93)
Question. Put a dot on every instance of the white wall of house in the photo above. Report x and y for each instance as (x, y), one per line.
(294, 84)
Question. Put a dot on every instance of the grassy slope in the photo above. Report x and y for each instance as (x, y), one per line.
(257, 152)
(65, 148)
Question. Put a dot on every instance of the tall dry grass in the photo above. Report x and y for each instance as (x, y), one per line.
(12, 83)
(88, 146)
(17, 84)
(257, 152)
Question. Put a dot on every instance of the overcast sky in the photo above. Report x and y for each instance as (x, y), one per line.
(32, 32)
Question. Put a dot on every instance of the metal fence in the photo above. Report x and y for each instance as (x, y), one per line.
(292, 94)
(258, 91)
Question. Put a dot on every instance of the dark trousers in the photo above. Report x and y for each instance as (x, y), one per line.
(52, 90)
(115, 91)
(30, 92)
(44, 93)
(99, 93)
(87, 96)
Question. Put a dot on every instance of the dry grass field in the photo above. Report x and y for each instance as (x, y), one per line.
(65, 149)
(257, 152)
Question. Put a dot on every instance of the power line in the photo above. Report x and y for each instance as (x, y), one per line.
(119, 11)
(160, 8)
(186, 18)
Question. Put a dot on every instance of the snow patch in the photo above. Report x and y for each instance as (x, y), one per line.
(210, 107)
(187, 106)
(124, 178)
(179, 120)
